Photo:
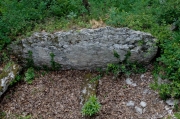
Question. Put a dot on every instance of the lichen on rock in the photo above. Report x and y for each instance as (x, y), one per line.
(88, 48)
(7, 75)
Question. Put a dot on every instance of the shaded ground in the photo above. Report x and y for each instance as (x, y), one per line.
(56, 95)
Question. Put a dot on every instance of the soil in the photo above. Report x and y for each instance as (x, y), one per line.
(56, 95)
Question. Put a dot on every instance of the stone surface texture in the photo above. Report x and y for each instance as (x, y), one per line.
(88, 88)
(129, 81)
(7, 75)
(87, 48)
(138, 110)
(130, 103)
(143, 104)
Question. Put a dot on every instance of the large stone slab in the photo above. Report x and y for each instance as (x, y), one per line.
(7, 75)
(87, 48)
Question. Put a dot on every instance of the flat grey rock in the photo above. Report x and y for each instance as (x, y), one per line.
(129, 82)
(146, 91)
(142, 76)
(138, 110)
(130, 103)
(143, 104)
(86, 49)
(171, 102)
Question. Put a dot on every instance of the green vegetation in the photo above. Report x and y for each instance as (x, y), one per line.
(95, 78)
(169, 68)
(177, 115)
(20, 16)
(3, 115)
(125, 66)
(91, 107)
(17, 79)
(161, 18)
(54, 65)
(29, 75)
(30, 62)
(171, 57)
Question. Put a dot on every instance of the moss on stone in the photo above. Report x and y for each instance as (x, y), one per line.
(9, 72)
(88, 87)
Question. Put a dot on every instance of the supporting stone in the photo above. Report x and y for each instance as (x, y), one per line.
(8, 75)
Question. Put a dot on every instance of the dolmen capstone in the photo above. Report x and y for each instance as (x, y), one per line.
(86, 49)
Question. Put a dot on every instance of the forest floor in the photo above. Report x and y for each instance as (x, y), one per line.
(56, 95)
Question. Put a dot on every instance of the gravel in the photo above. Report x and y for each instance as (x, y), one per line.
(56, 95)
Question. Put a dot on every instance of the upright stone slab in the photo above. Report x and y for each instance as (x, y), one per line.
(87, 48)
(7, 75)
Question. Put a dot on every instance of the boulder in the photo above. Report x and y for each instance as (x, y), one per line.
(7, 75)
(87, 48)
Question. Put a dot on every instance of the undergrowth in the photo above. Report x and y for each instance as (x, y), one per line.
(19, 18)
(126, 66)
(169, 68)
(91, 107)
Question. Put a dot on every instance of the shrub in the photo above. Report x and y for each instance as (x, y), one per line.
(17, 79)
(65, 7)
(170, 67)
(91, 107)
(168, 11)
(125, 66)
(29, 75)
(19, 16)
(170, 57)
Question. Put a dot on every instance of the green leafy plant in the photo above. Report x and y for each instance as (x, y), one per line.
(95, 78)
(30, 62)
(125, 66)
(177, 115)
(29, 75)
(116, 54)
(169, 68)
(7, 66)
(171, 57)
(176, 106)
(17, 79)
(2, 115)
(19, 17)
(114, 68)
(65, 7)
(25, 117)
(54, 65)
(91, 107)
(5, 57)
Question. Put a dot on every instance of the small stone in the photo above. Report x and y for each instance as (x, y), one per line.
(134, 84)
(139, 110)
(171, 102)
(129, 82)
(144, 110)
(166, 108)
(145, 91)
(159, 80)
(162, 81)
(130, 103)
(142, 76)
(143, 104)
(100, 82)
